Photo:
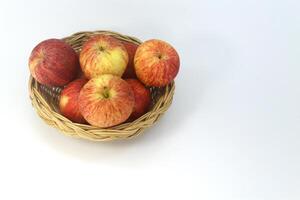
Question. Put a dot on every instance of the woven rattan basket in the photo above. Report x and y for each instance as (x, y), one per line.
(45, 101)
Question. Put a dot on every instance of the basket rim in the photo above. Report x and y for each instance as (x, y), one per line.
(85, 131)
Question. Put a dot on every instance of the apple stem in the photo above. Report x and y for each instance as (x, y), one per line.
(106, 93)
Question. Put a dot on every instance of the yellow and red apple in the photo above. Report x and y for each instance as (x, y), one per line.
(103, 54)
(131, 49)
(68, 102)
(53, 62)
(156, 63)
(106, 101)
(142, 98)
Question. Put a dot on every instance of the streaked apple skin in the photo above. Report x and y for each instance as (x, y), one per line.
(53, 62)
(142, 98)
(156, 63)
(68, 103)
(131, 49)
(103, 54)
(106, 101)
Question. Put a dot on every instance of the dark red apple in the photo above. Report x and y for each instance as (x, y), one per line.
(80, 74)
(68, 102)
(53, 62)
(131, 49)
(142, 98)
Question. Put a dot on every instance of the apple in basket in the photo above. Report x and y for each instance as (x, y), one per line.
(131, 49)
(142, 98)
(103, 54)
(106, 101)
(53, 62)
(68, 102)
(156, 63)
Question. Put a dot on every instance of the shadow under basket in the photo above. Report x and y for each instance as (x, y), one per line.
(45, 100)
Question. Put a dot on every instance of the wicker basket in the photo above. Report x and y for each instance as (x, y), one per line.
(45, 101)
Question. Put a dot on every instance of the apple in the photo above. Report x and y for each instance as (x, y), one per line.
(142, 98)
(68, 102)
(106, 101)
(131, 49)
(53, 62)
(103, 54)
(156, 63)
(80, 75)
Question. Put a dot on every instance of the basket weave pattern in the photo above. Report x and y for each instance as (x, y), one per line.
(45, 101)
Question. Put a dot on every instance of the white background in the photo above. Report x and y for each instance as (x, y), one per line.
(232, 132)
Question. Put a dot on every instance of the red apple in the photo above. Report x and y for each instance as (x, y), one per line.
(53, 62)
(103, 54)
(80, 74)
(106, 101)
(131, 49)
(142, 98)
(156, 63)
(68, 102)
